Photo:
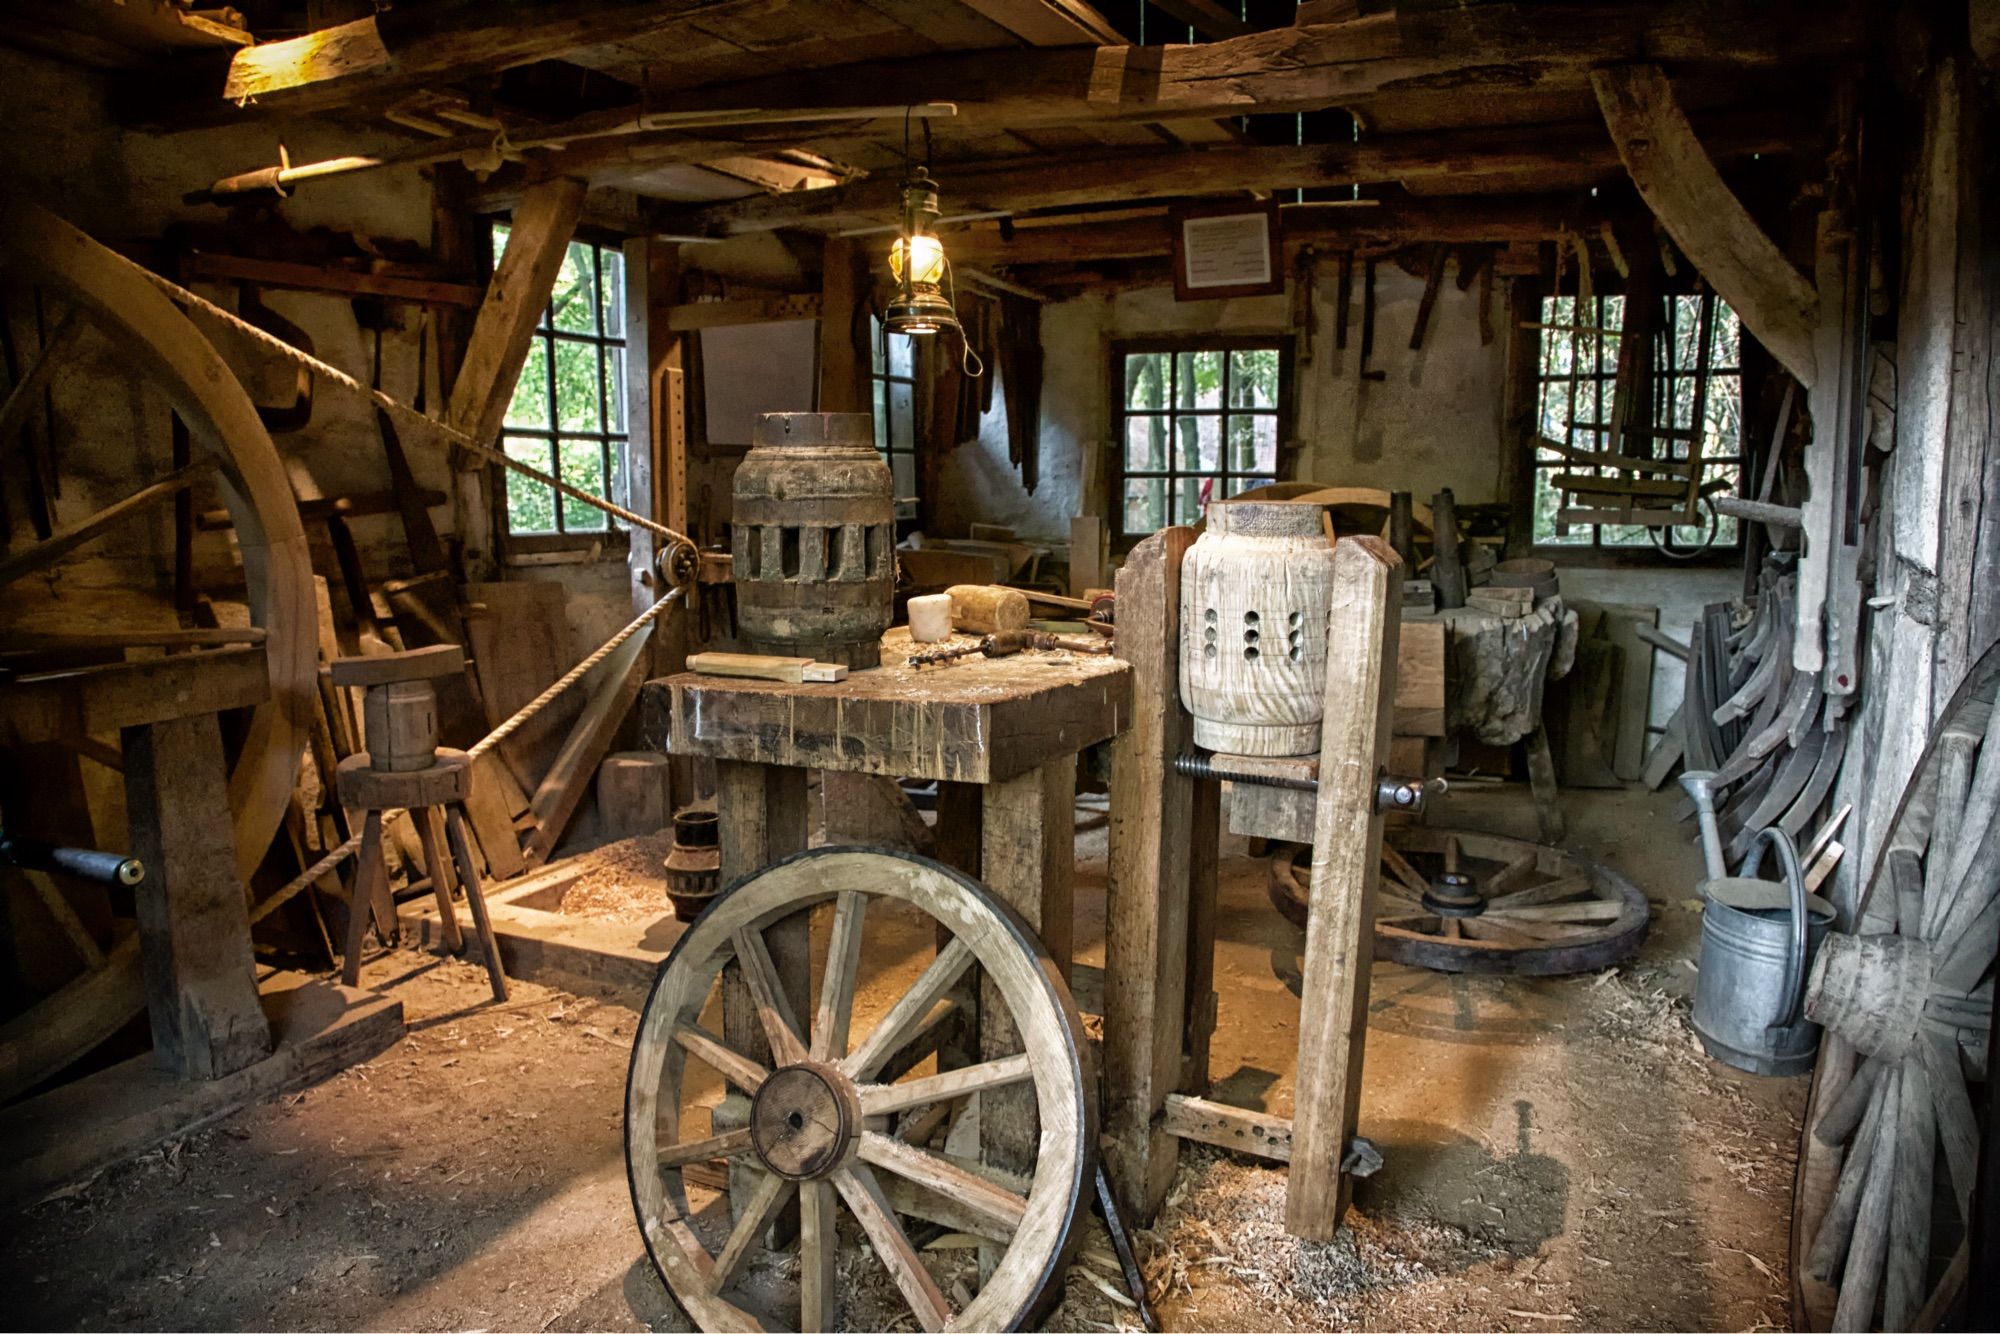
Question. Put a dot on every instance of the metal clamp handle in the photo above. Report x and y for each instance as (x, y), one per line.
(1799, 942)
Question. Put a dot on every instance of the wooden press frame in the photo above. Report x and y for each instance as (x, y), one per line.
(1159, 999)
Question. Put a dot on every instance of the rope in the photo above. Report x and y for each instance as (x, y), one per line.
(399, 410)
(571, 677)
(306, 877)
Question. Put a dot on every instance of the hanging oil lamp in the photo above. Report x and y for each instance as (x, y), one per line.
(917, 263)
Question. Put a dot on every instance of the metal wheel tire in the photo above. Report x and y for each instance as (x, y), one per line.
(1554, 912)
(164, 346)
(819, 1129)
(1673, 548)
(1882, 1205)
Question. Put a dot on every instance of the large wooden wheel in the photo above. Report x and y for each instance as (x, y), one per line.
(153, 337)
(1892, 1141)
(1459, 901)
(826, 1125)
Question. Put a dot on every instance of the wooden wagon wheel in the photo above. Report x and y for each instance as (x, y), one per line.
(1523, 908)
(1892, 1140)
(820, 1125)
(155, 338)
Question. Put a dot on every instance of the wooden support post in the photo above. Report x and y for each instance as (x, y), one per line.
(1148, 896)
(844, 354)
(194, 921)
(1679, 182)
(764, 814)
(1347, 851)
(1028, 859)
(1447, 570)
(522, 280)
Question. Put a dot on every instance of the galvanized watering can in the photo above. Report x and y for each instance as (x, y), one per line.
(1758, 938)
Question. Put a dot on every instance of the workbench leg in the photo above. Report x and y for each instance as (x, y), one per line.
(763, 818)
(1204, 867)
(1028, 859)
(960, 818)
(194, 920)
(1147, 901)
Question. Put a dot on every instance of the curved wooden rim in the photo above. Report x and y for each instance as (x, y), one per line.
(1013, 960)
(1584, 952)
(221, 420)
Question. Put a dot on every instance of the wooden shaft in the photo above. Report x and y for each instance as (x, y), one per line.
(429, 824)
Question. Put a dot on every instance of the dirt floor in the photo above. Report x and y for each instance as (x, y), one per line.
(1559, 1155)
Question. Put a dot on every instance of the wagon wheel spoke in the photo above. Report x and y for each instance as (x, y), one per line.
(1548, 892)
(843, 968)
(879, 1098)
(767, 994)
(863, 1193)
(731, 1064)
(1403, 871)
(1958, 1126)
(1480, 928)
(751, 1222)
(1910, 1201)
(68, 538)
(990, 1201)
(733, 1144)
(1836, 1226)
(1413, 921)
(911, 1008)
(1590, 910)
(819, 1252)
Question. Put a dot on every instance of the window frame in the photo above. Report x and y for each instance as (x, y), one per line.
(882, 383)
(1666, 372)
(614, 446)
(1281, 413)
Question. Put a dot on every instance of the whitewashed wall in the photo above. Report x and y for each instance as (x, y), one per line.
(1434, 420)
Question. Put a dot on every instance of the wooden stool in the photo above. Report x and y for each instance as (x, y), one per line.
(405, 769)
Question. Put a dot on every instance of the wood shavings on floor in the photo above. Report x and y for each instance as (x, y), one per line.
(625, 881)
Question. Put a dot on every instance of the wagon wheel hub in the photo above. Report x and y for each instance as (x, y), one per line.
(804, 1121)
(1454, 895)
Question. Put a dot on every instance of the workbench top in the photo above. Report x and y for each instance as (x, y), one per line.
(974, 720)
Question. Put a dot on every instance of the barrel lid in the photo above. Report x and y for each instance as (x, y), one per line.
(815, 428)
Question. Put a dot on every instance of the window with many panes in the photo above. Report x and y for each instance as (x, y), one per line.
(567, 417)
(1194, 422)
(894, 374)
(1697, 395)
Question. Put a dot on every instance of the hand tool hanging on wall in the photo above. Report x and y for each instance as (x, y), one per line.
(1368, 322)
(1434, 260)
(1343, 301)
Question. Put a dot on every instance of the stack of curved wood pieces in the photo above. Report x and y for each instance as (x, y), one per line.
(1772, 737)
(1884, 1205)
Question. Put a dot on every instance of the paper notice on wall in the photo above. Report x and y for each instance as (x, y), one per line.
(1229, 251)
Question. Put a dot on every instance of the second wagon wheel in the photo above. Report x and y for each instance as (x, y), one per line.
(1464, 902)
(827, 1126)
(1891, 1145)
(110, 294)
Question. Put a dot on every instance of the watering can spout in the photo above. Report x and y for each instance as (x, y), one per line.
(1700, 786)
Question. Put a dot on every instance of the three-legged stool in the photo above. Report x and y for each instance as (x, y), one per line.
(405, 769)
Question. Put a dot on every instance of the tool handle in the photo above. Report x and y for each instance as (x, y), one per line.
(105, 868)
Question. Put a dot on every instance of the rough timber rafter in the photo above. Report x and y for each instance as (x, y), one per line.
(1676, 176)
(1493, 47)
(1042, 183)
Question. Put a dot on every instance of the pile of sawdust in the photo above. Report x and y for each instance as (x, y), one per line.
(625, 881)
(1223, 1226)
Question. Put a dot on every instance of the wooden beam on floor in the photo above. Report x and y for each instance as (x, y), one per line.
(1675, 173)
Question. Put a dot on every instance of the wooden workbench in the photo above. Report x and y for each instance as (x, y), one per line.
(1001, 737)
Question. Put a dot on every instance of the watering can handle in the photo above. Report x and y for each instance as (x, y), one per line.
(1796, 945)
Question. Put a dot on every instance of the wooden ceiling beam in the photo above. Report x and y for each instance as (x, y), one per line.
(1385, 226)
(1496, 47)
(1465, 156)
(408, 47)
